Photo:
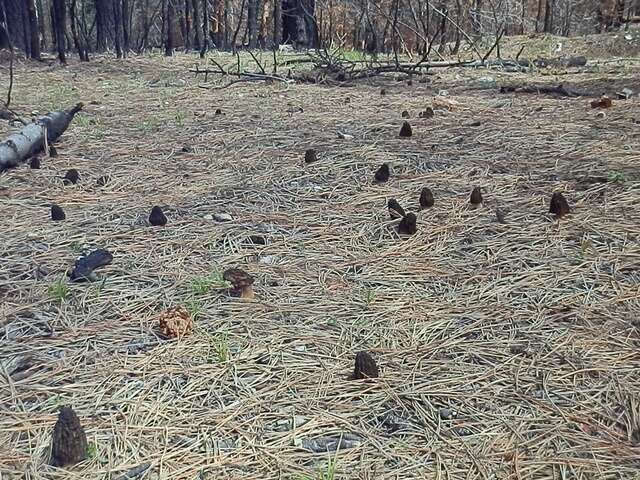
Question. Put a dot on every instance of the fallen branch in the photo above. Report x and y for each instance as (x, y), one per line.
(33, 138)
(243, 76)
(559, 90)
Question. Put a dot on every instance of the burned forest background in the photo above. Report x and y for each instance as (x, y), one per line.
(85, 27)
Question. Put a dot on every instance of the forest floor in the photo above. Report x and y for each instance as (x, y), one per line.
(507, 350)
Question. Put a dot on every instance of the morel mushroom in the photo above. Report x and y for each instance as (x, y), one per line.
(365, 366)
(57, 214)
(382, 174)
(241, 281)
(69, 442)
(476, 197)
(407, 225)
(175, 322)
(310, 156)
(426, 198)
(427, 113)
(157, 217)
(71, 177)
(406, 130)
(34, 163)
(559, 205)
(395, 210)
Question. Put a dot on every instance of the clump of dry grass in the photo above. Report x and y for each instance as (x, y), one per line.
(260, 389)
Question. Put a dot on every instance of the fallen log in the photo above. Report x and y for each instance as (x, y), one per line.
(559, 90)
(22, 145)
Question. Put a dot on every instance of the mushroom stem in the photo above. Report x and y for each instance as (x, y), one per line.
(247, 293)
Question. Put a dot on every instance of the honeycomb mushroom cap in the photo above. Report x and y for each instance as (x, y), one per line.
(175, 322)
(238, 278)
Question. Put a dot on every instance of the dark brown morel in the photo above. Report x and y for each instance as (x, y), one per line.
(476, 197)
(405, 114)
(559, 205)
(69, 442)
(310, 156)
(406, 130)
(365, 367)
(383, 91)
(395, 210)
(218, 111)
(34, 163)
(426, 198)
(382, 174)
(57, 214)
(408, 224)
(427, 113)
(71, 177)
(157, 217)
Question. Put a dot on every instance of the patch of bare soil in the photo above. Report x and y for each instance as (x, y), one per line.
(506, 349)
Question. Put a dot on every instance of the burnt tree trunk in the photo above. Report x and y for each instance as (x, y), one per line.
(187, 24)
(205, 28)
(59, 18)
(197, 30)
(168, 44)
(237, 30)
(548, 16)
(79, 44)
(117, 21)
(34, 29)
(102, 25)
(15, 27)
(225, 21)
(253, 11)
(299, 23)
(277, 22)
(126, 26)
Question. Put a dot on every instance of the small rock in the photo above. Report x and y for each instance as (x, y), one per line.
(487, 82)
(208, 216)
(222, 217)
(268, 260)
(300, 348)
(447, 413)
